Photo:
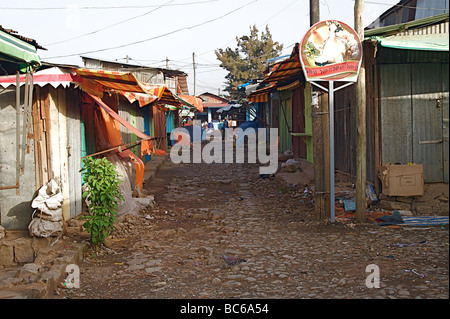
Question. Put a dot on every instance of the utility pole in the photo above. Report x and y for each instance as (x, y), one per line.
(314, 12)
(320, 136)
(193, 63)
(361, 139)
(167, 62)
(127, 58)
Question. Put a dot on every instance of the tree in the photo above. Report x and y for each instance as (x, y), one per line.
(245, 63)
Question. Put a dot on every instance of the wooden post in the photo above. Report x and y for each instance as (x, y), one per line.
(314, 12)
(321, 154)
(360, 122)
(193, 64)
(320, 136)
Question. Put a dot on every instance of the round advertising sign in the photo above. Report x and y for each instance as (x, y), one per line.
(331, 51)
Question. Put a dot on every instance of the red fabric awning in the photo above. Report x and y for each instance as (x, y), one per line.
(54, 76)
(286, 69)
(289, 86)
(289, 69)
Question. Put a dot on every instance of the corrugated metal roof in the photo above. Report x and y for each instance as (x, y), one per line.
(21, 37)
(182, 82)
(286, 69)
(407, 26)
(427, 42)
(119, 66)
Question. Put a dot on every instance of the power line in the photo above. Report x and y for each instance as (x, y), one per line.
(405, 6)
(109, 26)
(158, 36)
(210, 71)
(105, 8)
(211, 67)
(270, 18)
(278, 12)
(207, 86)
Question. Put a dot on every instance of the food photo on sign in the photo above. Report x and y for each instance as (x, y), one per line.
(330, 51)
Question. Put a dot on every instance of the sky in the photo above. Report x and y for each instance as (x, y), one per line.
(166, 33)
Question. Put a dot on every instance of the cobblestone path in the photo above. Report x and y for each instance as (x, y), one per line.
(204, 211)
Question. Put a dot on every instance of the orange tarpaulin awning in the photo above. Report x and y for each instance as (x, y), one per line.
(195, 101)
(120, 81)
(142, 98)
(93, 82)
(145, 147)
(115, 138)
(163, 93)
(145, 99)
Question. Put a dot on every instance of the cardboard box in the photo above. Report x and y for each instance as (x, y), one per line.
(402, 180)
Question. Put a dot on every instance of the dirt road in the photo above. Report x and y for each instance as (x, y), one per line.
(204, 211)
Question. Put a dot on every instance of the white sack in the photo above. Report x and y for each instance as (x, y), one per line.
(44, 228)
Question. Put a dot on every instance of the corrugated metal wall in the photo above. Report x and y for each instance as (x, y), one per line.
(396, 113)
(413, 106)
(429, 8)
(445, 120)
(427, 119)
(133, 114)
(73, 114)
(15, 210)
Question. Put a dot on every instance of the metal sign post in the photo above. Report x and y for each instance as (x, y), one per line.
(331, 51)
(331, 91)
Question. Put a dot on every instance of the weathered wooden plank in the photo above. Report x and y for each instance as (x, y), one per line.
(46, 124)
(37, 135)
(74, 150)
(58, 128)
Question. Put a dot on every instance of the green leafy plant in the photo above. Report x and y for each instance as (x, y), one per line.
(102, 195)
